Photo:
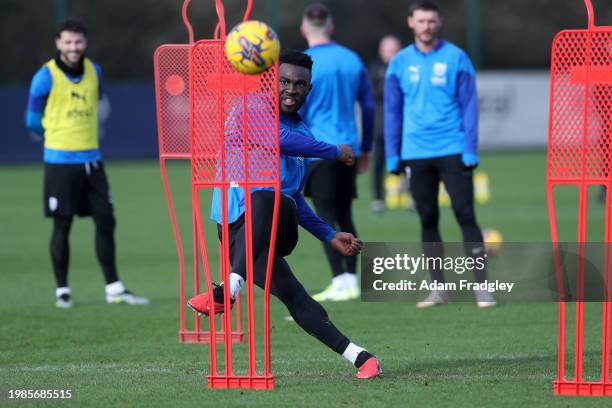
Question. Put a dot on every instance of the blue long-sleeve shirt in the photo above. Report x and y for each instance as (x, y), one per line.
(339, 79)
(297, 145)
(40, 88)
(431, 104)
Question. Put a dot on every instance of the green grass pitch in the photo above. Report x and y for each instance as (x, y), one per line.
(110, 356)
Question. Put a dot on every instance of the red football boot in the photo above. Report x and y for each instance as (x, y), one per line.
(369, 369)
(201, 304)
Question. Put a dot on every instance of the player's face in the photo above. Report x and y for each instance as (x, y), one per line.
(426, 24)
(71, 47)
(294, 85)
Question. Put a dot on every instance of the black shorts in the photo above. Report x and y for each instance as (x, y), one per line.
(76, 189)
(331, 179)
(263, 210)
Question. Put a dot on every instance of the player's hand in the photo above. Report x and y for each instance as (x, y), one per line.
(347, 155)
(470, 160)
(363, 162)
(346, 244)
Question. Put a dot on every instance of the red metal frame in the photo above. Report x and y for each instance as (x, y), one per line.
(579, 154)
(174, 144)
(215, 90)
(227, 118)
(202, 77)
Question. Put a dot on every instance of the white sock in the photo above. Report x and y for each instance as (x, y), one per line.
(351, 352)
(338, 282)
(115, 288)
(236, 283)
(62, 291)
(350, 280)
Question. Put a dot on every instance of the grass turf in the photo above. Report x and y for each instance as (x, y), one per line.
(451, 356)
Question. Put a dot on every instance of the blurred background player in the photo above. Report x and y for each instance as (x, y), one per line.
(388, 47)
(339, 80)
(431, 130)
(297, 144)
(63, 108)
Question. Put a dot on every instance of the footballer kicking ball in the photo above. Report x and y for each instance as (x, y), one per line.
(492, 240)
(252, 47)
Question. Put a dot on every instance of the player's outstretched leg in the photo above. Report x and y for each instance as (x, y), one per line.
(314, 320)
(306, 312)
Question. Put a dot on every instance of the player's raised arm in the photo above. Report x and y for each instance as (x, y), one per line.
(299, 142)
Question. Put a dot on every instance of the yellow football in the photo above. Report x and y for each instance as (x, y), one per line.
(493, 241)
(252, 47)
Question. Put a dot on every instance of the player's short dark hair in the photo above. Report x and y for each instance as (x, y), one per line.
(72, 24)
(295, 57)
(317, 14)
(427, 5)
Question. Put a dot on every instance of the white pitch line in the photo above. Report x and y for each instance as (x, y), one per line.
(89, 367)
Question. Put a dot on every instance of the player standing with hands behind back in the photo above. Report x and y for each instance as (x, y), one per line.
(431, 131)
(63, 108)
(339, 80)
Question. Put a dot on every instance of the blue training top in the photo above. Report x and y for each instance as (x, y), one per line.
(431, 104)
(296, 145)
(40, 88)
(339, 79)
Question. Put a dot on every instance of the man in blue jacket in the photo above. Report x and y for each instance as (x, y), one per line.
(431, 133)
(340, 80)
(297, 145)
